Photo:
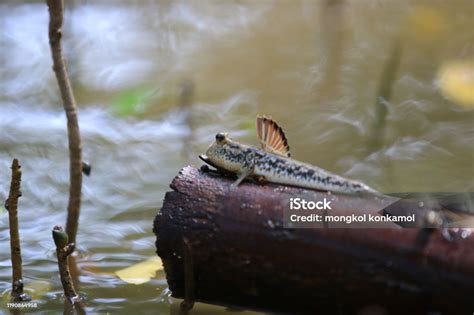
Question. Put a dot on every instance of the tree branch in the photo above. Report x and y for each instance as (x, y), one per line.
(63, 249)
(11, 204)
(56, 8)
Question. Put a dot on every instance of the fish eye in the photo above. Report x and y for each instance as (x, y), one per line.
(220, 137)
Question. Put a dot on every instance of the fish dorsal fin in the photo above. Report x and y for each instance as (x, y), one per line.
(271, 136)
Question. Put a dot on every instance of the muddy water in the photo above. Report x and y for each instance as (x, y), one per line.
(156, 80)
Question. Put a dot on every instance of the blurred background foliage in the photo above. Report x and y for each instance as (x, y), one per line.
(155, 80)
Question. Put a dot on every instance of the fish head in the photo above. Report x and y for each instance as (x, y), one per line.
(224, 153)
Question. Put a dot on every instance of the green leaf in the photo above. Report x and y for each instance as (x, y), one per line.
(132, 101)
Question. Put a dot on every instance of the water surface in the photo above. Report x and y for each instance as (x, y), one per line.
(154, 82)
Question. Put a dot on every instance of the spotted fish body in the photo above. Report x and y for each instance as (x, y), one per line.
(247, 161)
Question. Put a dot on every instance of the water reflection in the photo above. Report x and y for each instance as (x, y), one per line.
(197, 68)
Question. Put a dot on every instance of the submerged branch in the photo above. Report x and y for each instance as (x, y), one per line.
(56, 10)
(384, 95)
(11, 204)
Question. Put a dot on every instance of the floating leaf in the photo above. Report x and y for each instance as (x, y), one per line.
(456, 80)
(6, 297)
(37, 289)
(142, 272)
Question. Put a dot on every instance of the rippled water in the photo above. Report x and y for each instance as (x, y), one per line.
(196, 68)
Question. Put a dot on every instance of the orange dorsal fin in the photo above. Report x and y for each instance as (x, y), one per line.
(271, 136)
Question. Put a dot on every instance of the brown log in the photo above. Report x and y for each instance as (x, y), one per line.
(242, 255)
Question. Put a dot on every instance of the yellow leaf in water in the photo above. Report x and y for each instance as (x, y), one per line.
(37, 289)
(426, 22)
(6, 297)
(142, 272)
(456, 80)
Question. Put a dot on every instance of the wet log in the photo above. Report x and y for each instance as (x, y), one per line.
(234, 246)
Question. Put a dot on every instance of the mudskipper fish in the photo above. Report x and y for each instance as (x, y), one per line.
(272, 163)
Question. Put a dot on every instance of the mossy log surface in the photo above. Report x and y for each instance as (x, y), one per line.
(243, 256)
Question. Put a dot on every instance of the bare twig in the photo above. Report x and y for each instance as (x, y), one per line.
(11, 204)
(56, 8)
(63, 249)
